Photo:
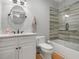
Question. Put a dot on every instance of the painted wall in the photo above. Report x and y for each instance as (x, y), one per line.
(40, 9)
(37, 8)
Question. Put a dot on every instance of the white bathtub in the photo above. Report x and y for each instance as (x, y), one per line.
(71, 45)
(68, 50)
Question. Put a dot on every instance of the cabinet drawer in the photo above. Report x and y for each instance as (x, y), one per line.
(2, 49)
(7, 42)
(26, 39)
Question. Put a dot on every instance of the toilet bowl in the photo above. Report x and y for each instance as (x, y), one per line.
(47, 49)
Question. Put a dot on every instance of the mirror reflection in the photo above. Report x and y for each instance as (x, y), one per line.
(17, 15)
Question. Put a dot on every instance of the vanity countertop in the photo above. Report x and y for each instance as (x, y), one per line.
(16, 35)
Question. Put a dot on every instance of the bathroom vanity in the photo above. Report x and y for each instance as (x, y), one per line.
(18, 46)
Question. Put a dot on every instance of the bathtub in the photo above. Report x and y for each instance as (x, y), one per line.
(71, 45)
(68, 50)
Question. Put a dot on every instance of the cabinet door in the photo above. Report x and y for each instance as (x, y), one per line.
(28, 51)
(8, 53)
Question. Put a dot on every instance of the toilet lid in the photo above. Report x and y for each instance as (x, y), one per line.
(46, 46)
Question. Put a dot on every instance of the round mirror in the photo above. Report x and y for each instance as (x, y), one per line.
(17, 15)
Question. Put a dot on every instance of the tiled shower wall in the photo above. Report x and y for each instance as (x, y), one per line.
(72, 34)
(57, 25)
(54, 23)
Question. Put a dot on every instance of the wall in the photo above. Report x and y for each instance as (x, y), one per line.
(0, 15)
(41, 10)
(37, 8)
(73, 34)
(66, 3)
(54, 23)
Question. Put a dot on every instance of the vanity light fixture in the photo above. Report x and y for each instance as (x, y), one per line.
(21, 2)
(14, 1)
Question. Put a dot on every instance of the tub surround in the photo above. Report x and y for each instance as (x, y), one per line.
(54, 23)
(72, 11)
(67, 15)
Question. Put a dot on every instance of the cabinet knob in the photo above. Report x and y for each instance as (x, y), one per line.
(18, 48)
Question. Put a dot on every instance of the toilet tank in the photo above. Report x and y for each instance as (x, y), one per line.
(40, 39)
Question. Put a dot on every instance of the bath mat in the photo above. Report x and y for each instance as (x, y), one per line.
(57, 55)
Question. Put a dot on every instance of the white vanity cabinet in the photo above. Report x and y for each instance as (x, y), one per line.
(27, 52)
(27, 46)
(8, 53)
(8, 48)
(18, 47)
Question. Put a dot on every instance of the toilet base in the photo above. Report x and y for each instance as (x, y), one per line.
(46, 55)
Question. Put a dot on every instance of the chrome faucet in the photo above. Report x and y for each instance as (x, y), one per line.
(17, 32)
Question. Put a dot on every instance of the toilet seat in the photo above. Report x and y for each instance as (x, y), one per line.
(46, 47)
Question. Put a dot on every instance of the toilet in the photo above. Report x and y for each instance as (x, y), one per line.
(46, 49)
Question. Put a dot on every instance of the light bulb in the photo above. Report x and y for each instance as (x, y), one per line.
(10, 0)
